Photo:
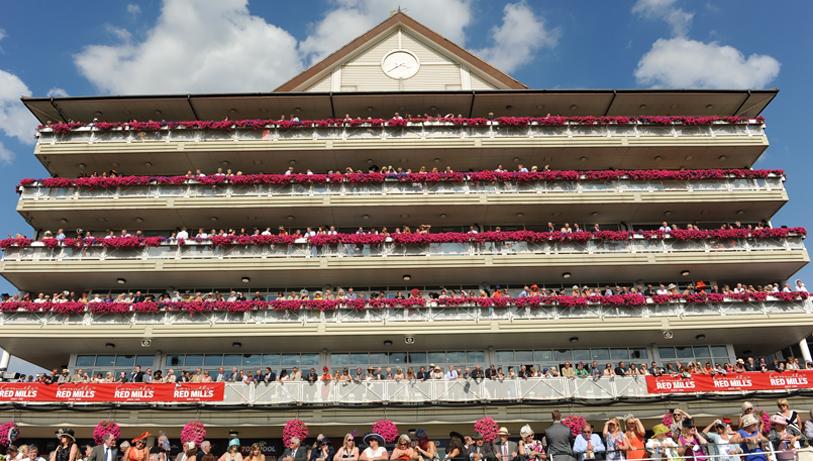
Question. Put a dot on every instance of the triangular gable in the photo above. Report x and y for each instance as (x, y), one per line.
(358, 66)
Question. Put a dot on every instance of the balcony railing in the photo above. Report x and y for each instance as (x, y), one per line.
(417, 131)
(409, 315)
(392, 188)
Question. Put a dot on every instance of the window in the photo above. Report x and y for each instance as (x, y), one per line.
(95, 364)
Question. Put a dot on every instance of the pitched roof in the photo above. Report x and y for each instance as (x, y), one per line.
(401, 19)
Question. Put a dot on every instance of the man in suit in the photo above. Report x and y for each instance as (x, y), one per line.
(481, 451)
(106, 451)
(294, 452)
(559, 439)
(504, 449)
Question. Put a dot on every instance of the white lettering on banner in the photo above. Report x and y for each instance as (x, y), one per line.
(670, 385)
(72, 394)
(182, 393)
(134, 393)
(27, 393)
(725, 383)
(793, 380)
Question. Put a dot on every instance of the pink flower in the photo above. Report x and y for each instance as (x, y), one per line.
(103, 428)
(193, 431)
(9, 432)
(386, 429)
(487, 427)
(574, 423)
(294, 428)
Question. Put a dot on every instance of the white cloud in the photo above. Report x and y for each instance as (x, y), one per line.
(351, 18)
(519, 36)
(133, 9)
(15, 120)
(684, 63)
(196, 46)
(677, 18)
(3, 34)
(57, 92)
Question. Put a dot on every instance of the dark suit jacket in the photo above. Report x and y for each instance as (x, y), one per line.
(301, 453)
(98, 453)
(560, 441)
(512, 448)
(486, 452)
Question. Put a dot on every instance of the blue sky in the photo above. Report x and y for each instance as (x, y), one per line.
(153, 46)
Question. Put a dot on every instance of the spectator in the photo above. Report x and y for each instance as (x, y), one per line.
(587, 444)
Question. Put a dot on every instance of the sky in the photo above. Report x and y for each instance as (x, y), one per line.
(197, 46)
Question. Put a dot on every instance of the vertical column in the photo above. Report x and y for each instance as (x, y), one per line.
(5, 357)
(802, 345)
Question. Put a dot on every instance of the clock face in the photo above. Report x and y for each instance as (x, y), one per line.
(400, 64)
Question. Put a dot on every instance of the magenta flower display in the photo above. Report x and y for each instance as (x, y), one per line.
(575, 423)
(386, 429)
(103, 428)
(487, 427)
(193, 431)
(294, 428)
(9, 432)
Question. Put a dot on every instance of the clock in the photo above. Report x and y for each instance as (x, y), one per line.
(400, 64)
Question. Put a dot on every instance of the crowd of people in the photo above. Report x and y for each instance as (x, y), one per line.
(473, 373)
(746, 437)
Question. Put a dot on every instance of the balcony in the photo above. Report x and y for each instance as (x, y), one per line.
(477, 147)
(380, 203)
(236, 262)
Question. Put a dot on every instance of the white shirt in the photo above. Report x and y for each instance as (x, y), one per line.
(182, 234)
(378, 453)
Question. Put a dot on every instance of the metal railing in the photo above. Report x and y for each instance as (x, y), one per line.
(412, 315)
(416, 132)
(195, 250)
(395, 187)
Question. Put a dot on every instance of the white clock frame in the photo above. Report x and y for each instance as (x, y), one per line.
(400, 50)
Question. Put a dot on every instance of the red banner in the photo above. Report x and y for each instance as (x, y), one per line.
(737, 382)
(112, 392)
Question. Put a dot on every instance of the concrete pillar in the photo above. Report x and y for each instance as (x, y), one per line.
(5, 357)
(805, 350)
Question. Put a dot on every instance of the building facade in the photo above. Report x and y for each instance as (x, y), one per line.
(400, 96)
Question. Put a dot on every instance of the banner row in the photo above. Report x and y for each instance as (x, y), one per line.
(112, 392)
(735, 382)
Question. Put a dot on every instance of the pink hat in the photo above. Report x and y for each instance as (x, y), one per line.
(779, 419)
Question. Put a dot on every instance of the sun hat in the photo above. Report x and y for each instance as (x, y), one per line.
(373, 436)
(779, 419)
(476, 436)
(746, 405)
(235, 442)
(503, 431)
(749, 420)
(66, 432)
(660, 429)
(140, 437)
(525, 431)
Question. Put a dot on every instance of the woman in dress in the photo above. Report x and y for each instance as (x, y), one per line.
(725, 442)
(785, 441)
(138, 450)
(255, 453)
(67, 449)
(691, 445)
(191, 451)
(426, 448)
(529, 448)
(792, 417)
(233, 452)
(615, 440)
(375, 450)
(403, 450)
(660, 446)
(349, 451)
(635, 434)
(456, 449)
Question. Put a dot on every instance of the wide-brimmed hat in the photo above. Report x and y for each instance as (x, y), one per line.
(660, 429)
(66, 432)
(476, 436)
(373, 436)
(140, 437)
(525, 431)
(749, 420)
(503, 431)
(235, 442)
(746, 405)
(779, 419)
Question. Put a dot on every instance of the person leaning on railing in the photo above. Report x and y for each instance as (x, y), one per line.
(724, 441)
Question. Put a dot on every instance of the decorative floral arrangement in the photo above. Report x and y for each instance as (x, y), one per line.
(260, 124)
(293, 305)
(765, 419)
(418, 238)
(415, 178)
(667, 419)
(193, 431)
(487, 427)
(294, 428)
(386, 429)
(574, 423)
(103, 428)
(9, 432)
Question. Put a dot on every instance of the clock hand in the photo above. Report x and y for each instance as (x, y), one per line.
(396, 66)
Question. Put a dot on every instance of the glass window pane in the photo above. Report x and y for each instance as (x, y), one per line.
(505, 357)
(85, 360)
(271, 360)
(456, 358)
(338, 360)
(719, 351)
(378, 359)
(562, 355)
(581, 354)
(477, 357)
(310, 360)
(105, 360)
(252, 360)
(213, 360)
(397, 358)
(174, 360)
(600, 354)
(684, 352)
(125, 360)
(145, 360)
(619, 354)
(359, 358)
(289, 360)
(418, 358)
(639, 354)
(543, 356)
(701, 351)
(194, 360)
(524, 357)
(232, 360)
(667, 352)
(437, 357)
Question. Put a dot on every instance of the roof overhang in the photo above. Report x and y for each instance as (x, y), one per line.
(746, 103)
